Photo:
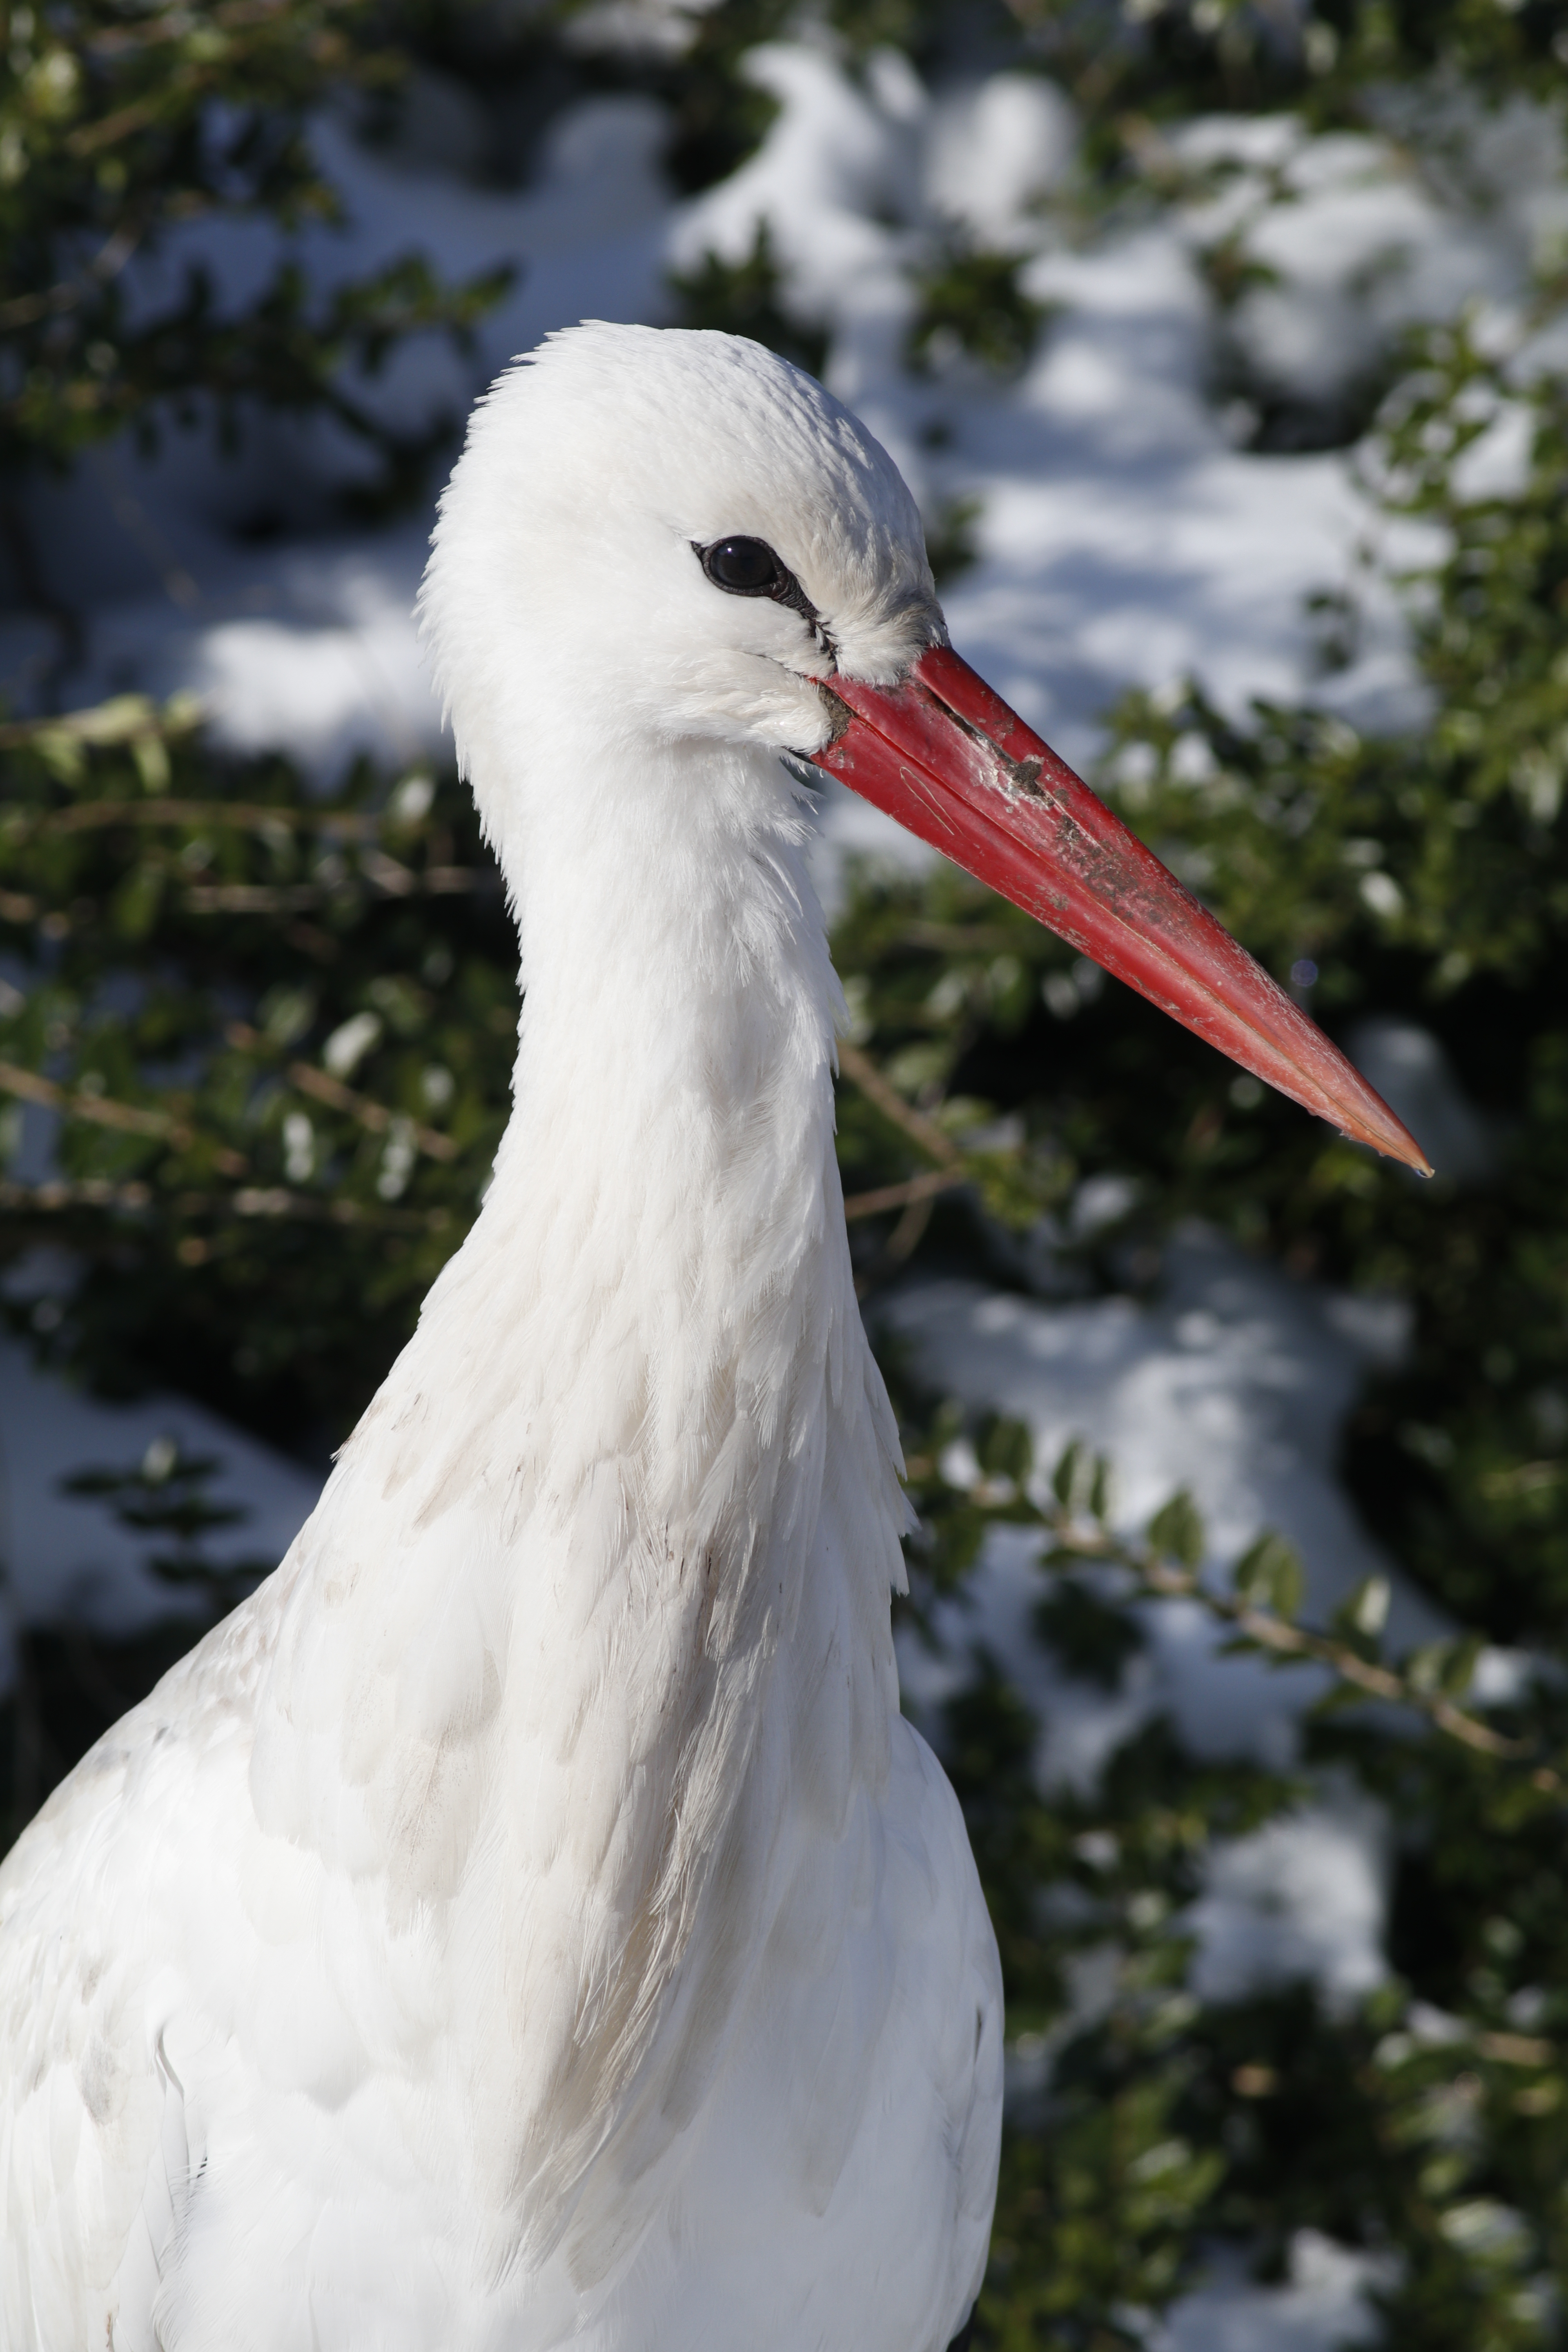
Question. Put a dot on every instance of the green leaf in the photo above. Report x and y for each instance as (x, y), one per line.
(1425, 1667)
(1006, 1449)
(1064, 1477)
(1364, 1613)
(1458, 1668)
(1269, 1575)
(137, 901)
(1176, 1530)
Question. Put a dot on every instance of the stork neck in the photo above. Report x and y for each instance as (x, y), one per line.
(674, 1070)
(659, 1279)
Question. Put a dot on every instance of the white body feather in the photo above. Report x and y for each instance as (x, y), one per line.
(529, 1920)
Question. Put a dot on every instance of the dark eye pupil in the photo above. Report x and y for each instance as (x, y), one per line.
(748, 567)
(747, 564)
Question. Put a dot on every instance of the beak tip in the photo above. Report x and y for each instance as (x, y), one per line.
(1402, 1146)
(1395, 1142)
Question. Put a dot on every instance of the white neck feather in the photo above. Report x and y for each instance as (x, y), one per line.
(602, 1579)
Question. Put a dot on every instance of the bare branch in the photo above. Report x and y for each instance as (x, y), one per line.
(900, 1196)
(324, 1088)
(1167, 1581)
(102, 1111)
(879, 1090)
(56, 1196)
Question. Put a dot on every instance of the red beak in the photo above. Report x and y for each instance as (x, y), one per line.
(947, 758)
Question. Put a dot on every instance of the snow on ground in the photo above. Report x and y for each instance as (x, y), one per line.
(1127, 534)
(1323, 2302)
(67, 1555)
(1232, 1383)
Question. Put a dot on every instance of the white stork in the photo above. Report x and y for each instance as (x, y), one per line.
(528, 1921)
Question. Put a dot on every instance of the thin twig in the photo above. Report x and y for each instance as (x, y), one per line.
(253, 899)
(384, 874)
(863, 1072)
(323, 1087)
(102, 1111)
(56, 1195)
(370, 1114)
(87, 1192)
(252, 816)
(26, 309)
(898, 1196)
(1168, 1581)
(100, 1108)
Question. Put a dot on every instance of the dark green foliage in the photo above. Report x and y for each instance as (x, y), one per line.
(1423, 2124)
(1335, 59)
(721, 115)
(1091, 1638)
(118, 127)
(1265, 412)
(1108, 2176)
(261, 1228)
(1095, 2222)
(747, 298)
(71, 1685)
(971, 305)
(950, 546)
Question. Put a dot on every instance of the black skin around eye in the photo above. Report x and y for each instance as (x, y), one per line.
(748, 567)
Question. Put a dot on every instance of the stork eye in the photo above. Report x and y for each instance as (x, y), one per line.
(746, 567)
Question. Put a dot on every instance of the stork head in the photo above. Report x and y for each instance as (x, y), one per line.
(656, 536)
(678, 528)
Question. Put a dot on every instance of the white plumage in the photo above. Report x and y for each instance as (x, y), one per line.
(528, 1920)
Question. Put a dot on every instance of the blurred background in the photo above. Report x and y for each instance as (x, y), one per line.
(1224, 344)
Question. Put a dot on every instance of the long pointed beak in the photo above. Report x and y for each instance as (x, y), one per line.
(948, 759)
